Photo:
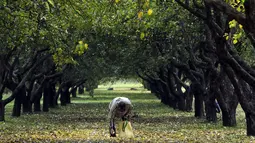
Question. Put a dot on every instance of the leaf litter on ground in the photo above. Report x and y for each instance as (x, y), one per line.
(85, 120)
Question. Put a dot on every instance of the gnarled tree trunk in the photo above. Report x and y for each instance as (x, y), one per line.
(16, 112)
(199, 101)
(52, 96)
(37, 103)
(2, 110)
(46, 92)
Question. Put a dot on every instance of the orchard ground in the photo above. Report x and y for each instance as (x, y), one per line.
(85, 120)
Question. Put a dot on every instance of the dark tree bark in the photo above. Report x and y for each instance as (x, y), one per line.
(229, 118)
(68, 96)
(250, 124)
(64, 96)
(250, 114)
(197, 86)
(26, 105)
(17, 76)
(166, 94)
(199, 101)
(247, 19)
(46, 95)
(17, 106)
(231, 102)
(52, 95)
(37, 106)
(74, 92)
(81, 89)
(16, 112)
(199, 106)
(245, 99)
(210, 108)
(37, 103)
(2, 110)
(189, 100)
(210, 101)
(153, 89)
(175, 85)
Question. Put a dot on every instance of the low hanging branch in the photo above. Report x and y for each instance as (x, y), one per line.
(77, 84)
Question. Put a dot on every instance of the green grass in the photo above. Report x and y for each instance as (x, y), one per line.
(85, 120)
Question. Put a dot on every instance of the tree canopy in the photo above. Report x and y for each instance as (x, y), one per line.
(180, 50)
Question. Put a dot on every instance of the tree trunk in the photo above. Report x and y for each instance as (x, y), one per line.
(250, 123)
(74, 92)
(64, 96)
(68, 97)
(55, 99)
(81, 89)
(166, 95)
(52, 96)
(46, 97)
(181, 103)
(245, 98)
(231, 102)
(27, 105)
(229, 118)
(189, 101)
(16, 112)
(159, 91)
(155, 90)
(210, 101)
(152, 88)
(199, 105)
(37, 103)
(223, 90)
(248, 91)
(210, 109)
(2, 110)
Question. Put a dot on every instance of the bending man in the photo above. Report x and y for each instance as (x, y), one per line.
(120, 107)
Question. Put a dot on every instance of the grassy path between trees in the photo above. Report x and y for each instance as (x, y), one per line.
(85, 120)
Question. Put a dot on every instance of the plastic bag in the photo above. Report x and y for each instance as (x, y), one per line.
(125, 129)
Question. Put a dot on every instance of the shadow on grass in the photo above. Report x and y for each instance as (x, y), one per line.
(165, 120)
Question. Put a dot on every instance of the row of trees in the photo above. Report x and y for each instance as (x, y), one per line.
(182, 49)
(40, 42)
(208, 57)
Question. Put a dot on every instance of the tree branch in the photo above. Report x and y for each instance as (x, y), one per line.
(196, 13)
(24, 79)
(227, 9)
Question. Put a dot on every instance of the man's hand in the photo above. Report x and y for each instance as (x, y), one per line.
(112, 132)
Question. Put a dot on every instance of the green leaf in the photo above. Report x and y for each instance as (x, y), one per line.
(51, 2)
(235, 41)
(47, 6)
(142, 35)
